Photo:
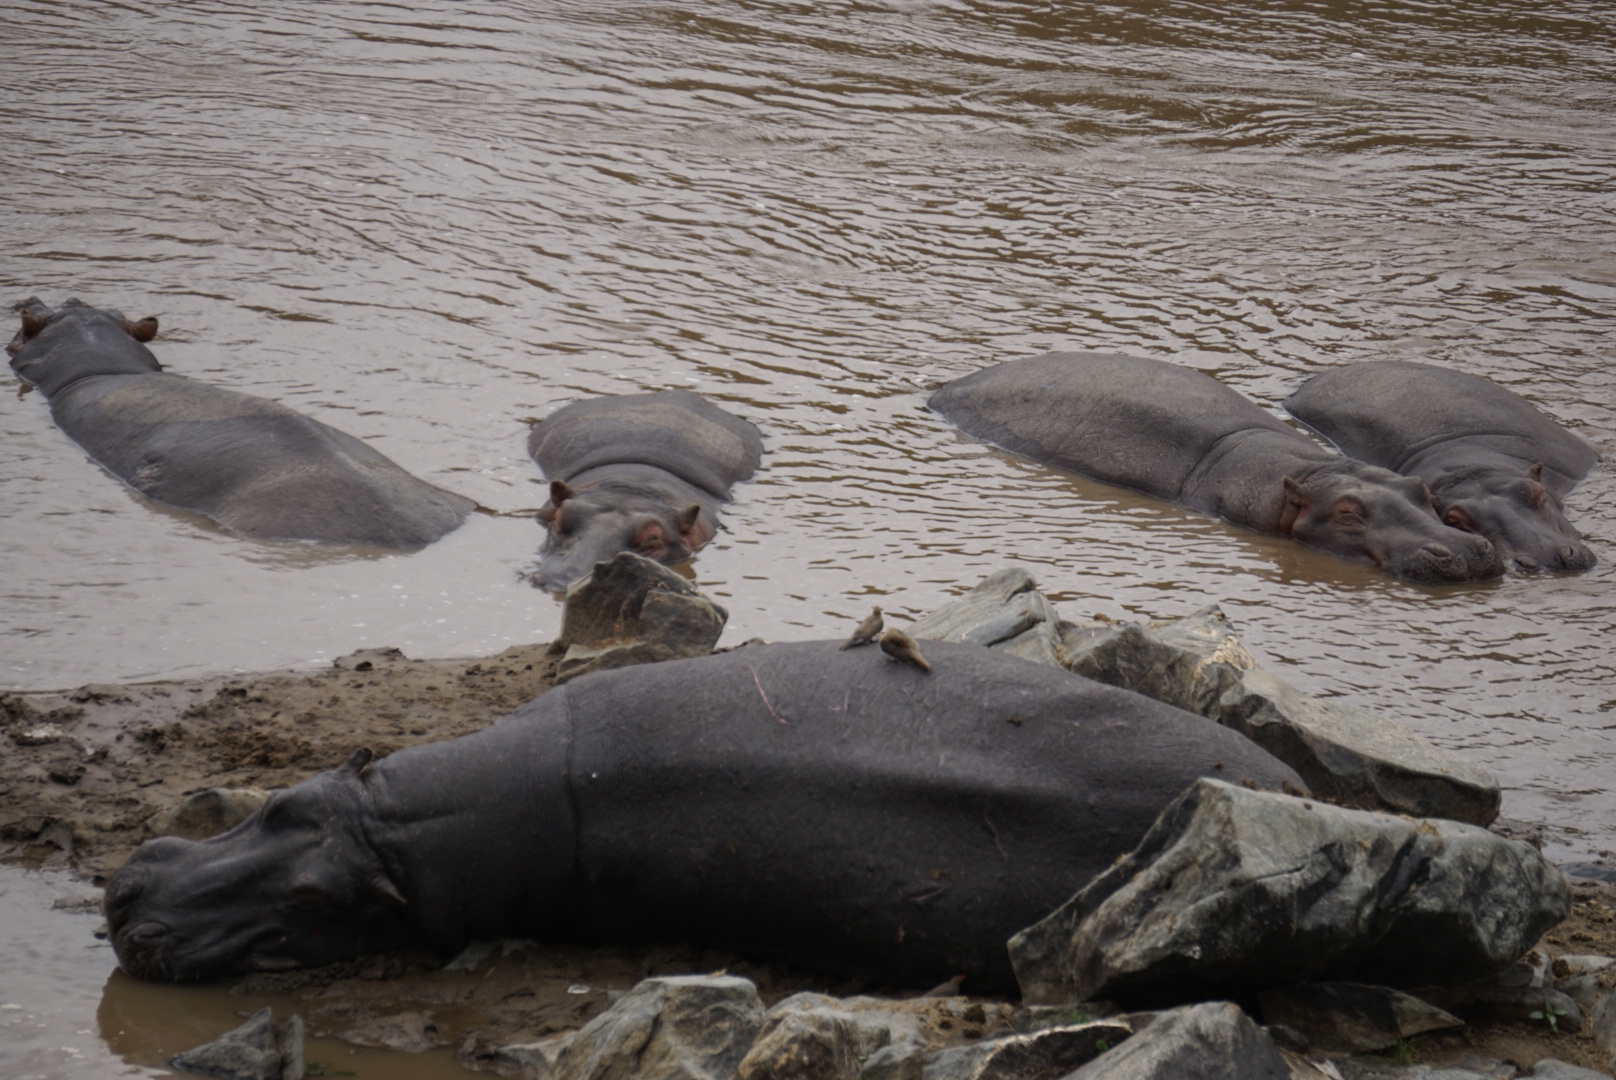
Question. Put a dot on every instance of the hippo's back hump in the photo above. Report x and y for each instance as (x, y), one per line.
(252, 464)
(798, 799)
(676, 430)
(1386, 411)
(1127, 420)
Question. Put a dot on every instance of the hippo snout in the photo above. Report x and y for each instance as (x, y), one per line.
(1575, 557)
(1467, 558)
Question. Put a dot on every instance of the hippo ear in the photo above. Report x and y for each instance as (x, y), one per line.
(1295, 505)
(1536, 473)
(144, 330)
(560, 492)
(356, 764)
(687, 517)
(34, 319)
(385, 891)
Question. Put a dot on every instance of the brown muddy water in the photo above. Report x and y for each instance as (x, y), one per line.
(429, 224)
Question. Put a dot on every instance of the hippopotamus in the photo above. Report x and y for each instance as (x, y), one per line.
(1494, 463)
(794, 802)
(248, 463)
(1174, 433)
(635, 472)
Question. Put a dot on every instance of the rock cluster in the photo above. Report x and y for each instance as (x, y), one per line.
(257, 1050)
(1346, 754)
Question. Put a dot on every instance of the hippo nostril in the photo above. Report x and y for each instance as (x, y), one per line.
(1438, 552)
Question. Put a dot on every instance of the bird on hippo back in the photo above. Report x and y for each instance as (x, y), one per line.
(248, 463)
(1496, 464)
(797, 802)
(645, 473)
(1172, 432)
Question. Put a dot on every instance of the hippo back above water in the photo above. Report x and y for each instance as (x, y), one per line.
(645, 473)
(1177, 434)
(1495, 463)
(249, 463)
(794, 802)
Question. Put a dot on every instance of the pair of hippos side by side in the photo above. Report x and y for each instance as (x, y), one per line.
(1446, 476)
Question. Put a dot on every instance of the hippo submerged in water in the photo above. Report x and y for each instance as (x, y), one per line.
(1496, 465)
(793, 802)
(640, 472)
(1177, 434)
(251, 464)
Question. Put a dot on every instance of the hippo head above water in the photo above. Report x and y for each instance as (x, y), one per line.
(58, 346)
(592, 523)
(1374, 515)
(1514, 510)
(294, 885)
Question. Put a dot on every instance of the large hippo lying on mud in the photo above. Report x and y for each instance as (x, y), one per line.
(1175, 433)
(640, 472)
(1495, 464)
(793, 802)
(251, 464)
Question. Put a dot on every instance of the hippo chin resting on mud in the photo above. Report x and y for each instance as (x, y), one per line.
(250, 464)
(1496, 465)
(792, 802)
(641, 472)
(1177, 434)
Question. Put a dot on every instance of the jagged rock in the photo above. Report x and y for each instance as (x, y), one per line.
(632, 610)
(1211, 1041)
(899, 1061)
(1239, 890)
(1584, 979)
(1042, 1055)
(207, 813)
(1005, 611)
(1351, 1018)
(1355, 758)
(1530, 970)
(534, 1060)
(1519, 1003)
(1188, 662)
(253, 1051)
(807, 1044)
(875, 1022)
(678, 1027)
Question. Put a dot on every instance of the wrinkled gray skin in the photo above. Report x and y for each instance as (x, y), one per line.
(640, 472)
(795, 802)
(1496, 465)
(250, 464)
(1175, 433)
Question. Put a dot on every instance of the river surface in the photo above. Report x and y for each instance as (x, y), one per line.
(431, 224)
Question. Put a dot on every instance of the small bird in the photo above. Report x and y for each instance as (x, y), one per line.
(867, 630)
(900, 646)
(951, 988)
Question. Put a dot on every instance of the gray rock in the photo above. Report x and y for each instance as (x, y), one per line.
(1590, 871)
(534, 1060)
(678, 1027)
(807, 1044)
(207, 813)
(253, 1051)
(1042, 1055)
(1351, 1018)
(1190, 662)
(875, 1022)
(1353, 757)
(1602, 1026)
(1473, 1067)
(1530, 970)
(1005, 611)
(408, 1031)
(633, 610)
(1554, 1069)
(1239, 890)
(898, 1061)
(1211, 1041)
(1519, 1003)
(1584, 979)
